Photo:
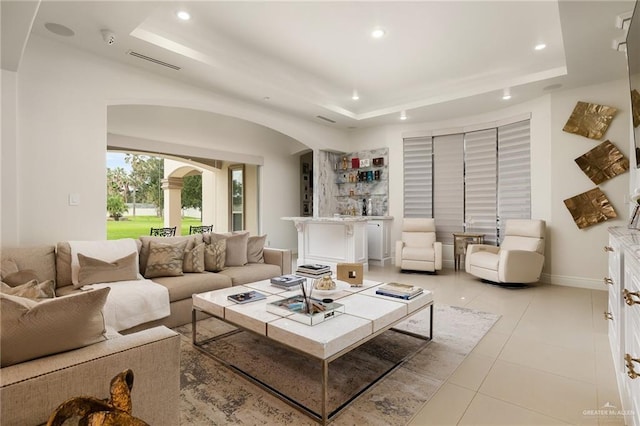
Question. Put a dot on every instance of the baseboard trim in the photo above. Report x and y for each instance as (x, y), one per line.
(569, 281)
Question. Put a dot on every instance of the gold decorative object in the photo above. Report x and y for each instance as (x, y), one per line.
(590, 120)
(629, 363)
(603, 162)
(635, 107)
(590, 208)
(92, 411)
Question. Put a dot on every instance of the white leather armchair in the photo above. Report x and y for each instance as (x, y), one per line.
(519, 259)
(418, 250)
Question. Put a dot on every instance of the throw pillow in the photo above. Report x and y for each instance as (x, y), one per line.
(21, 277)
(194, 259)
(165, 260)
(30, 330)
(146, 241)
(107, 250)
(31, 289)
(7, 267)
(215, 255)
(255, 249)
(94, 270)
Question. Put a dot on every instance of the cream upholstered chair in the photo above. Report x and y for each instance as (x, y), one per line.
(418, 250)
(519, 258)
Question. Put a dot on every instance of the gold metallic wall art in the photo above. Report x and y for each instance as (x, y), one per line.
(603, 162)
(590, 208)
(635, 107)
(590, 120)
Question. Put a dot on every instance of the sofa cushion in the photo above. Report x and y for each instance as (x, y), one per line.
(41, 259)
(192, 240)
(215, 254)
(418, 253)
(193, 260)
(251, 272)
(31, 330)
(165, 260)
(255, 249)
(185, 286)
(8, 267)
(21, 277)
(94, 270)
(31, 290)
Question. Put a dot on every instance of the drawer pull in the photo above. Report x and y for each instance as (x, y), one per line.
(607, 281)
(629, 297)
(608, 248)
(608, 315)
(629, 362)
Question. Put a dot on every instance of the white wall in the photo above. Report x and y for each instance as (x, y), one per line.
(8, 159)
(63, 96)
(574, 257)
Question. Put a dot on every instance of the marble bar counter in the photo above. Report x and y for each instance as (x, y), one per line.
(333, 239)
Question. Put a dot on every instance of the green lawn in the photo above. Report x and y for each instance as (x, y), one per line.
(140, 225)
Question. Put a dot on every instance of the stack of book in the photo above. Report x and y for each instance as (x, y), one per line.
(315, 270)
(288, 281)
(401, 291)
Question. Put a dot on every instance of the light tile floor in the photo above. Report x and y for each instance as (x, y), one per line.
(546, 361)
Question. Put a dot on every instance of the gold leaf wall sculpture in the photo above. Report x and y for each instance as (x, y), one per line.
(635, 107)
(590, 120)
(590, 208)
(603, 162)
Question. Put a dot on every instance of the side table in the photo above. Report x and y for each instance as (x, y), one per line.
(460, 242)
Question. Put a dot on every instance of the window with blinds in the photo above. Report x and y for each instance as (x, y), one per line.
(514, 172)
(480, 183)
(470, 181)
(448, 181)
(418, 177)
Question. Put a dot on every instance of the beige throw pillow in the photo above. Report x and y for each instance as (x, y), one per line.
(165, 260)
(236, 254)
(194, 259)
(146, 241)
(31, 289)
(94, 270)
(215, 255)
(255, 249)
(21, 277)
(8, 267)
(32, 330)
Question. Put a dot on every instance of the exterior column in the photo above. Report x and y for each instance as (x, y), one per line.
(209, 197)
(172, 187)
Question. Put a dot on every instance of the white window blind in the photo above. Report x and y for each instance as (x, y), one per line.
(514, 172)
(480, 180)
(448, 181)
(418, 177)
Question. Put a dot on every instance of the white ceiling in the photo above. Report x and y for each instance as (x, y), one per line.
(439, 59)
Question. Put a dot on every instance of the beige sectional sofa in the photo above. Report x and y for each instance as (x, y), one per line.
(31, 390)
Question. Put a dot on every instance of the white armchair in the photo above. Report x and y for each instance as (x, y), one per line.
(418, 250)
(519, 259)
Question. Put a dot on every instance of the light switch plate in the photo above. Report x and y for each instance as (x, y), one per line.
(74, 199)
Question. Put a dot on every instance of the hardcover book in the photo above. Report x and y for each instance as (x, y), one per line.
(246, 297)
(287, 281)
(400, 289)
(399, 296)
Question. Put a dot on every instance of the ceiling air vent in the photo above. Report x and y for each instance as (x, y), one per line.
(325, 119)
(155, 61)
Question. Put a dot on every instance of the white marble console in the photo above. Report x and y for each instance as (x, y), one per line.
(332, 240)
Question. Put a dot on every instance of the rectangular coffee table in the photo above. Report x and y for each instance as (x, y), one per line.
(366, 316)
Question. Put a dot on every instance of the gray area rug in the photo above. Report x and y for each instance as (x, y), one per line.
(211, 394)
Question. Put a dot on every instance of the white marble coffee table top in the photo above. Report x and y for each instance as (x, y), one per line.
(366, 313)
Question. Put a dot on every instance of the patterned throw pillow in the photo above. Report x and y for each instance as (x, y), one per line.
(165, 260)
(31, 290)
(215, 255)
(194, 259)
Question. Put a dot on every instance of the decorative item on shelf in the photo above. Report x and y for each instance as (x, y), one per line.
(355, 163)
(345, 164)
(350, 273)
(590, 120)
(590, 208)
(376, 175)
(99, 412)
(365, 162)
(324, 283)
(379, 161)
(635, 107)
(369, 176)
(603, 162)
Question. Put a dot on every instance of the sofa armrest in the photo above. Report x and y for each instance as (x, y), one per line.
(279, 257)
(32, 390)
(520, 266)
(472, 248)
(399, 246)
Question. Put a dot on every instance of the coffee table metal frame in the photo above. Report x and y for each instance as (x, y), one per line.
(325, 416)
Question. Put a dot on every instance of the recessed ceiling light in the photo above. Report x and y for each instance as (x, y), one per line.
(506, 94)
(59, 29)
(403, 115)
(378, 33)
(540, 46)
(266, 98)
(355, 95)
(184, 15)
